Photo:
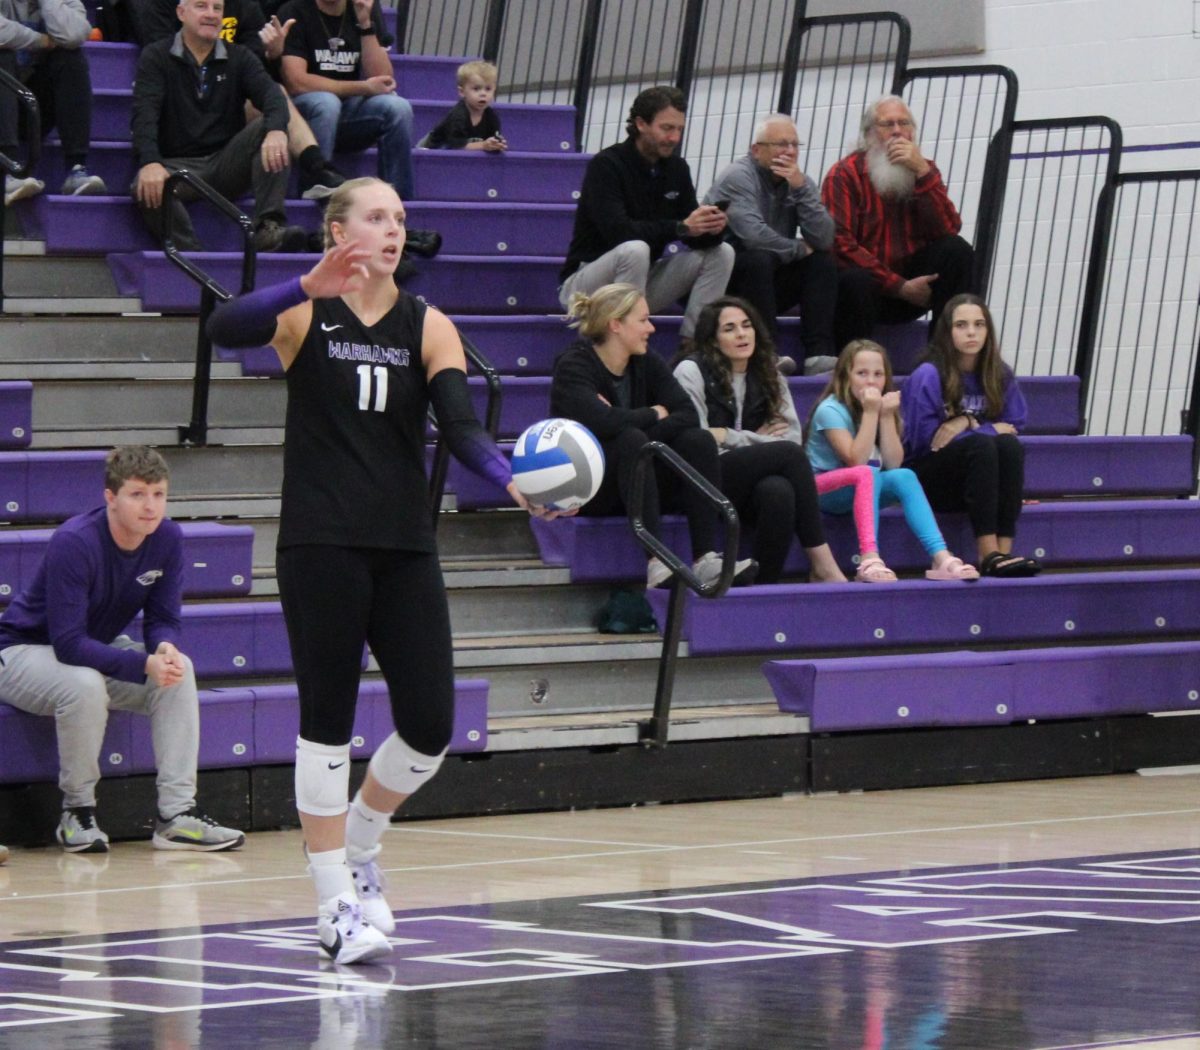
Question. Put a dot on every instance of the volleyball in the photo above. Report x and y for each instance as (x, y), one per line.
(558, 463)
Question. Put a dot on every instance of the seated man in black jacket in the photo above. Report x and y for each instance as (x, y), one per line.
(637, 198)
(189, 112)
(244, 23)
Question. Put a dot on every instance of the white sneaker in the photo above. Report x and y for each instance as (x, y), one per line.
(657, 574)
(18, 189)
(369, 883)
(345, 934)
(708, 569)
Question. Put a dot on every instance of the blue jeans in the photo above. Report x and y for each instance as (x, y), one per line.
(895, 486)
(348, 124)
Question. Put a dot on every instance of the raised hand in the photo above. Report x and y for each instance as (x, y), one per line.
(341, 270)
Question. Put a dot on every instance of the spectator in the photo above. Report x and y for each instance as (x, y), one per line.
(637, 198)
(63, 653)
(472, 123)
(626, 396)
(189, 112)
(856, 423)
(244, 23)
(897, 242)
(782, 235)
(962, 410)
(732, 377)
(40, 44)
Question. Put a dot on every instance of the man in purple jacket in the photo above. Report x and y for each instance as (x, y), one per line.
(63, 652)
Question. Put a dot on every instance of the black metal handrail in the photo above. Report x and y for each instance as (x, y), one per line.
(196, 431)
(12, 166)
(491, 423)
(960, 127)
(654, 731)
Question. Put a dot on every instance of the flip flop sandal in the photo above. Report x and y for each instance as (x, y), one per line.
(953, 569)
(1008, 566)
(872, 570)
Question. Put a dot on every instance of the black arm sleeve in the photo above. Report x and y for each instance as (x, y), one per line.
(465, 436)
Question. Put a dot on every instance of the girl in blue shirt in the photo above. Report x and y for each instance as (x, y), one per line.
(856, 421)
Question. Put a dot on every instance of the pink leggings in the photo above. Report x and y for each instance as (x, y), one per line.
(863, 480)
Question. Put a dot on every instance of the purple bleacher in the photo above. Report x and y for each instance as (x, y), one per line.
(16, 413)
(459, 175)
(226, 733)
(1053, 404)
(217, 558)
(450, 282)
(1046, 609)
(29, 747)
(529, 128)
(1105, 533)
(905, 343)
(1097, 466)
(970, 688)
(100, 225)
(49, 486)
(277, 719)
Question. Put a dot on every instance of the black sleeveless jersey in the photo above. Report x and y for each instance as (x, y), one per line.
(354, 441)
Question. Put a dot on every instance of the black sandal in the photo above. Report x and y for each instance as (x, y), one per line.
(1008, 566)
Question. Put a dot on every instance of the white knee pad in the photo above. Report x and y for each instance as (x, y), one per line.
(322, 778)
(399, 768)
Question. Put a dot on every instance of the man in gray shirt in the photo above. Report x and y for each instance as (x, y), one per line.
(782, 235)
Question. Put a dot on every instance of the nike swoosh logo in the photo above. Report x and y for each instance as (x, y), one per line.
(329, 327)
(419, 769)
(336, 765)
(334, 948)
(195, 836)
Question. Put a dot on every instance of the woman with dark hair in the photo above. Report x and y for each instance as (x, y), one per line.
(962, 410)
(609, 382)
(732, 376)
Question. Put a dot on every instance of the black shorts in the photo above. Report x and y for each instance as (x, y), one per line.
(335, 599)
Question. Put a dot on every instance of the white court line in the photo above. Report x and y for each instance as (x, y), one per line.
(526, 838)
(648, 848)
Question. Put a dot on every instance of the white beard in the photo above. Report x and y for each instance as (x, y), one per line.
(890, 180)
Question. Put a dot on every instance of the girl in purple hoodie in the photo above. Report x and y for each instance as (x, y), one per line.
(962, 411)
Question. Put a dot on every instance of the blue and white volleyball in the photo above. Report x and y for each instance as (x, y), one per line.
(558, 463)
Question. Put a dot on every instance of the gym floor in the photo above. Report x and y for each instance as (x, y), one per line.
(1027, 915)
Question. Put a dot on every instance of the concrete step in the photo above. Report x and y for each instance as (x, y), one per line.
(64, 278)
(113, 342)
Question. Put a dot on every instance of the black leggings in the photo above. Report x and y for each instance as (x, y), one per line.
(772, 488)
(335, 599)
(983, 474)
(664, 490)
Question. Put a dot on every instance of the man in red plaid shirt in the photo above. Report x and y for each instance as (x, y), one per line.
(896, 239)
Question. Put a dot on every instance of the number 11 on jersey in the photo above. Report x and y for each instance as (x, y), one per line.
(365, 384)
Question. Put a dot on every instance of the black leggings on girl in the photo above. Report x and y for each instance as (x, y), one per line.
(983, 474)
(771, 487)
(333, 599)
(663, 490)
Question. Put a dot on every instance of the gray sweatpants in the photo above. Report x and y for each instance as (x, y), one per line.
(79, 698)
(701, 275)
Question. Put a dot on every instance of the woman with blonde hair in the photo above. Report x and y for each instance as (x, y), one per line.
(626, 396)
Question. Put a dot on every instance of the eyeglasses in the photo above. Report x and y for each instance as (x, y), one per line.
(781, 143)
(886, 125)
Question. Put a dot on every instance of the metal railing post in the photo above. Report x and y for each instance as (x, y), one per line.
(586, 71)
(195, 432)
(12, 166)
(654, 731)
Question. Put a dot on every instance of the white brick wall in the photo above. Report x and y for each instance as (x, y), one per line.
(1137, 62)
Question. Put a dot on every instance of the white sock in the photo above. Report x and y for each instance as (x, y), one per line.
(330, 874)
(364, 828)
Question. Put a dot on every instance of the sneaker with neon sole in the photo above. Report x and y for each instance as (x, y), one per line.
(195, 831)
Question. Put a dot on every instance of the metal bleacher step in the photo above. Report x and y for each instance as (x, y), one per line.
(604, 729)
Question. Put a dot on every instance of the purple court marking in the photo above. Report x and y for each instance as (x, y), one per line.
(727, 941)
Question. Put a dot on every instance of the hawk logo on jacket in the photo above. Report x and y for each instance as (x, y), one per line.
(148, 578)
